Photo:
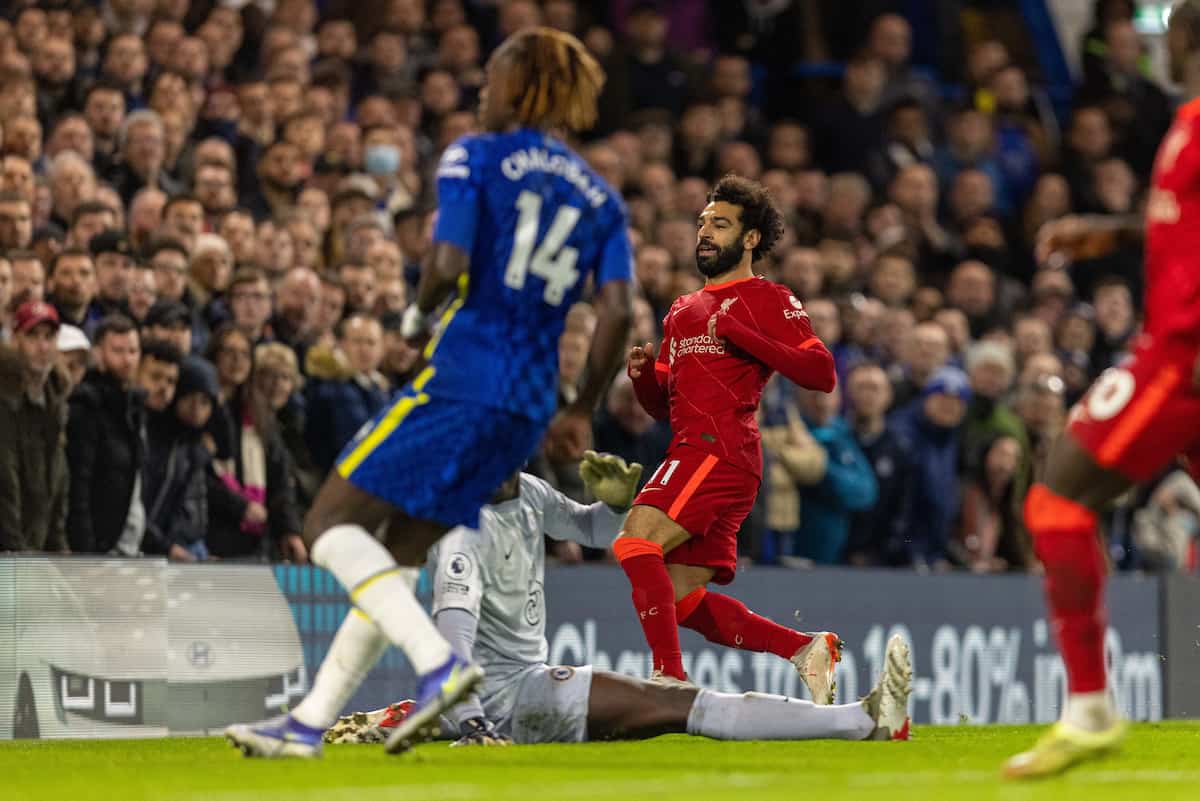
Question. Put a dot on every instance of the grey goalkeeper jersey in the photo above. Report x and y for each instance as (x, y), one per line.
(497, 574)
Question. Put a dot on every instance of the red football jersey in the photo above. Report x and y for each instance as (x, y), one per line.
(710, 389)
(1173, 231)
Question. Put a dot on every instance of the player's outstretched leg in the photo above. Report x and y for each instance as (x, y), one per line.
(337, 529)
(727, 621)
(354, 650)
(1061, 517)
(622, 708)
(647, 535)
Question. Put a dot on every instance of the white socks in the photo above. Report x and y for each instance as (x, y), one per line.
(380, 588)
(758, 716)
(355, 649)
(1091, 711)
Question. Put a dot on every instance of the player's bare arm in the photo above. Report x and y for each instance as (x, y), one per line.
(440, 274)
(1084, 236)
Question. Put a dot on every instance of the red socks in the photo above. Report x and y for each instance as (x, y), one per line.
(727, 621)
(1064, 538)
(654, 600)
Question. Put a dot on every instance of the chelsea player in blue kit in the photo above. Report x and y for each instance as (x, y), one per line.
(523, 223)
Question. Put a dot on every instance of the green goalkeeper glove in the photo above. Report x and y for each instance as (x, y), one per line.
(609, 478)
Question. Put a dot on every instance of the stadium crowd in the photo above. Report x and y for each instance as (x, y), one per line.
(212, 215)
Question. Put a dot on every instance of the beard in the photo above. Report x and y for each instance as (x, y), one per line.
(724, 260)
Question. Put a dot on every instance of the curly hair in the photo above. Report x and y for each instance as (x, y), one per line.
(552, 80)
(758, 209)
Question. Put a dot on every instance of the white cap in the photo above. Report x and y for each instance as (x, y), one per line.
(71, 338)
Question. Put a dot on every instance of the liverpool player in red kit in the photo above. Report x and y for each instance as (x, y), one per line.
(1132, 423)
(720, 346)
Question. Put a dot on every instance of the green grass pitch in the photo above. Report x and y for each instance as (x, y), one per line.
(1159, 762)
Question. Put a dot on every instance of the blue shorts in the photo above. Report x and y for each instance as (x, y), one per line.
(436, 458)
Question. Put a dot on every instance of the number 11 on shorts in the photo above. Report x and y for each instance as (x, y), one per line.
(671, 467)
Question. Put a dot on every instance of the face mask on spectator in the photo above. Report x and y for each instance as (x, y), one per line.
(382, 159)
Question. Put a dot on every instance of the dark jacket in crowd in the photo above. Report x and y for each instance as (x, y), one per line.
(105, 453)
(879, 535)
(934, 452)
(306, 476)
(337, 403)
(175, 485)
(227, 508)
(33, 467)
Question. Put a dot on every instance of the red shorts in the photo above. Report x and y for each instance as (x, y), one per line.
(708, 498)
(1139, 416)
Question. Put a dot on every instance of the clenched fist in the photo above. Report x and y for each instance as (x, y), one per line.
(639, 357)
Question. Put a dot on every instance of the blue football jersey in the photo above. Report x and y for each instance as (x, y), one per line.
(537, 222)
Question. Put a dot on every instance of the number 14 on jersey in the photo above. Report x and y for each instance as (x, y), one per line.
(552, 261)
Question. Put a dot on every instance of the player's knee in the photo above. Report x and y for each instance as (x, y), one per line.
(1057, 524)
(652, 525)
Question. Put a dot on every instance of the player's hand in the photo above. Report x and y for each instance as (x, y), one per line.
(610, 479)
(1072, 238)
(569, 435)
(712, 322)
(479, 731)
(639, 357)
(712, 329)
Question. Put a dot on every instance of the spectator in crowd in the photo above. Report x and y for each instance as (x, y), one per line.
(990, 537)
(142, 144)
(105, 450)
(158, 374)
(1116, 322)
(74, 354)
(16, 222)
(112, 255)
(852, 124)
(793, 461)
(278, 373)
(177, 464)
(252, 503)
(211, 272)
(931, 426)
(927, 350)
(1042, 408)
(298, 304)
(847, 486)
(72, 283)
(89, 219)
(250, 304)
(991, 371)
(345, 389)
(33, 411)
(878, 534)
(1140, 112)
(28, 277)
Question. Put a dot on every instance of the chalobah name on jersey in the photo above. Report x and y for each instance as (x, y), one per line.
(519, 162)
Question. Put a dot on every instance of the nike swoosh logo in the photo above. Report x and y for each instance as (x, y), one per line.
(652, 489)
(509, 554)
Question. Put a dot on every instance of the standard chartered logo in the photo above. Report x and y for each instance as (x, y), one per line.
(961, 674)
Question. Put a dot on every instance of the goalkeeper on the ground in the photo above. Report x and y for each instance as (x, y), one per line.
(489, 602)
